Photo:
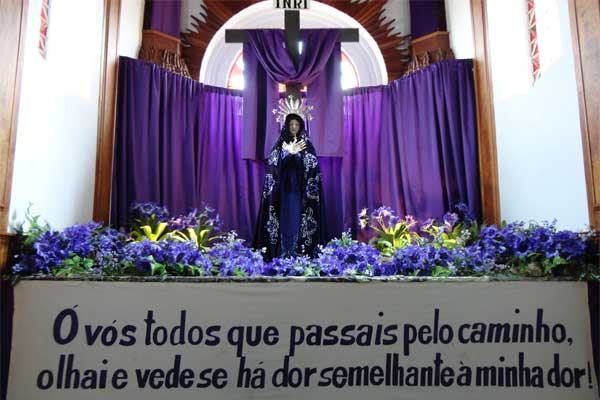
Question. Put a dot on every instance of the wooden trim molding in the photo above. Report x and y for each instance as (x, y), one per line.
(106, 111)
(429, 43)
(486, 128)
(6, 249)
(13, 24)
(164, 50)
(585, 33)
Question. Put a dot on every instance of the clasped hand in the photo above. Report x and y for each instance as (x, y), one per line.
(295, 146)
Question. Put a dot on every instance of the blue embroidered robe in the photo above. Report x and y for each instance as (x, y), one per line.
(291, 212)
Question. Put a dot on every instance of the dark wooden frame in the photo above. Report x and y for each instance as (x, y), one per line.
(106, 111)
(585, 33)
(13, 26)
(486, 124)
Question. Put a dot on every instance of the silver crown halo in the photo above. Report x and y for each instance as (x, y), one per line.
(291, 105)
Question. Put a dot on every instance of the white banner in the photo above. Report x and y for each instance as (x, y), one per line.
(301, 340)
(291, 4)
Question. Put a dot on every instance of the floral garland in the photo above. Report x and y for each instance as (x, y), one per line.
(193, 244)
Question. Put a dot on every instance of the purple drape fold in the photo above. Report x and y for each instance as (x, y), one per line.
(267, 63)
(411, 145)
(177, 143)
(269, 47)
(426, 16)
(166, 16)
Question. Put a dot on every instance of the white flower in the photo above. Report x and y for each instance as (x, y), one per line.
(363, 223)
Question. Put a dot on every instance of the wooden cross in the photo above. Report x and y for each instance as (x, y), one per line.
(292, 37)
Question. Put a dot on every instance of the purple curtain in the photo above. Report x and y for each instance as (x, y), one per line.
(164, 16)
(426, 16)
(266, 63)
(411, 145)
(439, 165)
(177, 143)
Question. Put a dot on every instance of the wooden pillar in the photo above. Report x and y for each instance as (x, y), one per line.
(486, 124)
(585, 29)
(13, 18)
(106, 110)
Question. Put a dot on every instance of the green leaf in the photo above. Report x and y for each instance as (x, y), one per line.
(157, 269)
(438, 271)
(549, 265)
(558, 260)
(199, 271)
(385, 243)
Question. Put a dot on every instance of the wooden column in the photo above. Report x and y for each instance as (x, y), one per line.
(13, 18)
(106, 110)
(486, 125)
(585, 29)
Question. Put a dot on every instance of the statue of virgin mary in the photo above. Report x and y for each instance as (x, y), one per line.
(290, 220)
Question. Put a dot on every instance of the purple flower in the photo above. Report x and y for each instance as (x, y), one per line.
(465, 214)
(450, 219)
(177, 258)
(233, 258)
(341, 257)
(147, 213)
(141, 255)
(79, 238)
(385, 269)
(427, 224)
(291, 266)
(517, 243)
(49, 251)
(385, 216)
(207, 219)
(410, 260)
(473, 259)
(421, 260)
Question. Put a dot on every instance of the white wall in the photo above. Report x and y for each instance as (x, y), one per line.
(540, 157)
(131, 24)
(458, 21)
(54, 166)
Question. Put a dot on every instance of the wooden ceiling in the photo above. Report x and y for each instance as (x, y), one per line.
(215, 13)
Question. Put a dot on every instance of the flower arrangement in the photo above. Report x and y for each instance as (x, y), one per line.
(346, 256)
(391, 232)
(192, 244)
(232, 258)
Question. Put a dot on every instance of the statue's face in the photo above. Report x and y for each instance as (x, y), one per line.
(294, 127)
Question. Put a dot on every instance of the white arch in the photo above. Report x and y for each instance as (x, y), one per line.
(365, 55)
